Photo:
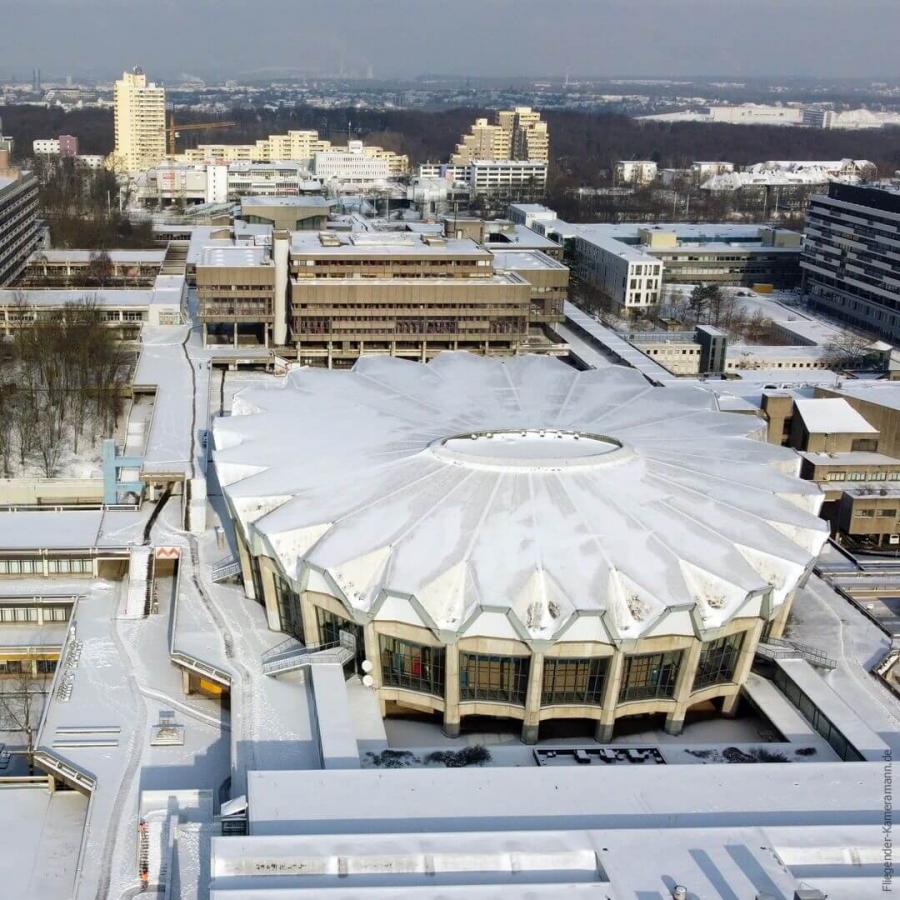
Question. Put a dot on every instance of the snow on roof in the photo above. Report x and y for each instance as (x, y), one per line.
(242, 255)
(520, 260)
(883, 393)
(54, 297)
(63, 255)
(314, 201)
(517, 485)
(378, 243)
(832, 415)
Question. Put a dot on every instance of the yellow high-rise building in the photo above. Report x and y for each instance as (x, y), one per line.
(140, 116)
(518, 133)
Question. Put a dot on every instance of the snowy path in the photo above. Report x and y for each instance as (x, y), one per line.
(824, 619)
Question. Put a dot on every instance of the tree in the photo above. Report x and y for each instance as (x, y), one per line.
(22, 699)
(699, 301)
(100, 268)
(848, 351)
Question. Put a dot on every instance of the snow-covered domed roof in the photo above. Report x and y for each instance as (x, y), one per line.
(518, 497)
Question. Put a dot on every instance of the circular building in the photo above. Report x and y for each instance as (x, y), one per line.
(515, 538)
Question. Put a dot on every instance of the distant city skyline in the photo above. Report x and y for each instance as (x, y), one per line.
(397, 39)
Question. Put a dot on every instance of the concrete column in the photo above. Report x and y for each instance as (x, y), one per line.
(269, 598)
(235, 333)
(532, 722)
(742, 669)
(244, 557)
(781, 617)
(310, 623)
(683, 684)
(603, 731)
(451, 690)
(373, 653)
(204, 334)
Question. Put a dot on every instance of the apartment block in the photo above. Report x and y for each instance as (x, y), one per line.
(851, 256)
(636, 171)
(19, 233)
(518, 133)
(301, 146)
(140, 122)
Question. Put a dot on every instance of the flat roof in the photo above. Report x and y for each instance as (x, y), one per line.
(832, 415)
(305, 201)
(63, 255)
(501, 799)
(524, 259)
(882, 393)
(830, 703)
(381, 243)
(851, 458)
(234, 256)
(53, 297)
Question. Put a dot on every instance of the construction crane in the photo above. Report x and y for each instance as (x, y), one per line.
(173, 130)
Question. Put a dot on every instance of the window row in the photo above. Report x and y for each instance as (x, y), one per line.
(35, 566)
(581, 681)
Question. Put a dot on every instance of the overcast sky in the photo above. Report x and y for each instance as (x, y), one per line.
(406, 38)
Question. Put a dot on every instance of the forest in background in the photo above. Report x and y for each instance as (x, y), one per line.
(584, 148)
(582, 144)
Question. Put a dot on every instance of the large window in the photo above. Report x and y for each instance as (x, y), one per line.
(500, 678)
(256, 575)
(289, 609)
(330, 628)
(574, 681)
(649, 676)
(412, 666)
(718, 661)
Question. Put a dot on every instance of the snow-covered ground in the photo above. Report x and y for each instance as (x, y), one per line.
(822, 618)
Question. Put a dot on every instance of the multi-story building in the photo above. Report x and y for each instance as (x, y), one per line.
(510, 179)
(19, 232)
(351, 165)
(518, 133)
(402, 294)
(702, 170)
(236, 295)
(851, 256)
(629, 262)
(301, 146)
(66, 145)
(636, 171)
(549, 280)
(140, 122)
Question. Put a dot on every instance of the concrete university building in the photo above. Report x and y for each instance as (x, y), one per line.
(19, 231)
(851, 256)
(654, 541)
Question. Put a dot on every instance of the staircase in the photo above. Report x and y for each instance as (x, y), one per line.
(224, 569)
(290, 655)
(783, 648)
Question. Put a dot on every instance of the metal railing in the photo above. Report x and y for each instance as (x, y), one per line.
(783, 648)
(225, 568)
(281, 659)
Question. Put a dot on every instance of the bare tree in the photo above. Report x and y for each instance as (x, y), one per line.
(22, 699)
(100, 268)
(848, 351)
